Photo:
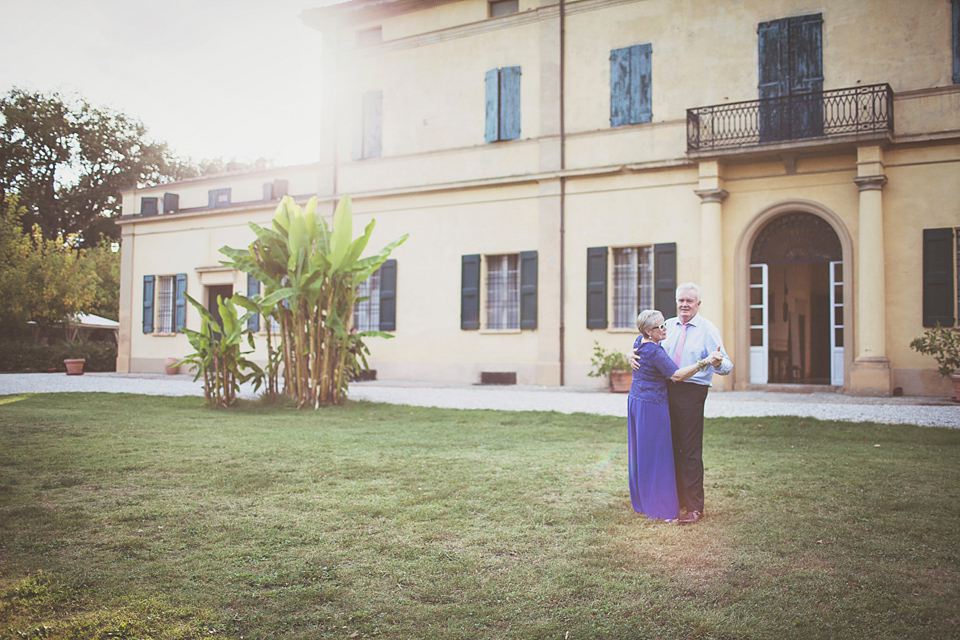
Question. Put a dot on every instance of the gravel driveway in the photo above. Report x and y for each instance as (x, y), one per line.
(931, 412)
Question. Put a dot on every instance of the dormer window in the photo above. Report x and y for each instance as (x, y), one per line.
(503, 7)
(368, 37)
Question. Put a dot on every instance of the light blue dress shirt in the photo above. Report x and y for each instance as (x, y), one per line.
(703, 338)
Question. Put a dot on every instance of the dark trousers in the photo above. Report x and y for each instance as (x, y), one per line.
(686, 423)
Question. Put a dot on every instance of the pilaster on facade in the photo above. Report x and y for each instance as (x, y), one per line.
(871, 373)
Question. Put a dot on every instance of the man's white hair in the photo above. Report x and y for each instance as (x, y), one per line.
(689, 286)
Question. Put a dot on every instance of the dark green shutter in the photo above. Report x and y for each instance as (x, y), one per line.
(597, 288)
(372, 123)
(806, 83)
(148, 206)
(773, 73)
(509, 103)
(528, 289)
(171, 203)
(148, 303)
(253, 288)
(388, 296)
(181, 302)
(470, 292)
(665, 278)
(938, 285)
(492, 123)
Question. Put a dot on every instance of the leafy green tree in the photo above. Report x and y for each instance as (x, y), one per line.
(67, 161)
(105, 262)
(42, 280)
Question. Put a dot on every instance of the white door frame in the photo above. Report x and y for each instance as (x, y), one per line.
(759, 354)
(836, 323)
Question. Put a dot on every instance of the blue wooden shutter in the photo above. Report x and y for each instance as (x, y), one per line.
(773, 74)
(956, 41)
(388, 296)
(492, 128)
(180, 320)
(372, 123)
(528, 289)
(640, 83)
(620, 87)
(665, 278)
(148, 303)
(509, 103)
(253, 288)
(938, 285)
(597, 288)
(470, 292)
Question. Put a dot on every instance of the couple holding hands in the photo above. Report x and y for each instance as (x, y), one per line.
(673, 364)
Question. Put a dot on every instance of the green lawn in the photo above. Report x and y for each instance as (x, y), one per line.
(147, 517)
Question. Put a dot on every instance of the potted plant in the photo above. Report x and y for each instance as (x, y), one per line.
(943, 343)
(614, 365)
(74, 357)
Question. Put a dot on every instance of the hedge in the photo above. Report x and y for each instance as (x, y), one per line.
(23, 356)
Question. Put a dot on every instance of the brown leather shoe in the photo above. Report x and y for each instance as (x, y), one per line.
(690, 517)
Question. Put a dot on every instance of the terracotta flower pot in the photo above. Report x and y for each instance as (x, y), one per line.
(74, 366)
(620, 381)
(170, 364)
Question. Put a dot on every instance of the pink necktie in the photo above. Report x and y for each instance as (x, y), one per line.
(679, 349)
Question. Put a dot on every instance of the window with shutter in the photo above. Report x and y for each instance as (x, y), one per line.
(180, 302)
(171, 203)
(502, 106)
(643, 277)
(366, 309)
(367, 136)
(790, 71)
(503, 7)
(630, 85)
(939, 286)
(218, 198)
(148, 206)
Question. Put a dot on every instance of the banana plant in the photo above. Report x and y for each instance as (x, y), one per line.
(309, 274)
(218, 355)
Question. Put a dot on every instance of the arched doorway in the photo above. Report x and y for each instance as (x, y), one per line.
(796, 302)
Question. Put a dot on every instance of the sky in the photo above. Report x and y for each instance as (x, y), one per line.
(232, 79)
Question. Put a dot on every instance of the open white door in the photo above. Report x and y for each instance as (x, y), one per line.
(836, 324)
(759, 331)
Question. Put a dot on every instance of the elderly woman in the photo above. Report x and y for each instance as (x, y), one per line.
(653, 483)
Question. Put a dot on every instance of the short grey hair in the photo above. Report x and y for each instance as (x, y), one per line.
(688, 286)
(649, 319)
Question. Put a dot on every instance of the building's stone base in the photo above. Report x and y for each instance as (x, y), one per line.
(871, 377)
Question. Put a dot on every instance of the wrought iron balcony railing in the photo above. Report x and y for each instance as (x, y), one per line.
(853, 111)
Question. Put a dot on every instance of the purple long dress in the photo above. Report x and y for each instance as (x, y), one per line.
(653, 483)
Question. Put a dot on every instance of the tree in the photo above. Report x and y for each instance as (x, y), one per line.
(66, 161)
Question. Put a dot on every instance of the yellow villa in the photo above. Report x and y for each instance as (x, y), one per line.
(560, 166)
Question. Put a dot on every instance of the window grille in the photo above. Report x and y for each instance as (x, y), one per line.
(366, 313)
(165, 304)
(503, 292)
(632, 284)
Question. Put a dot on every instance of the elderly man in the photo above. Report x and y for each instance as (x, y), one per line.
(690, 337)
